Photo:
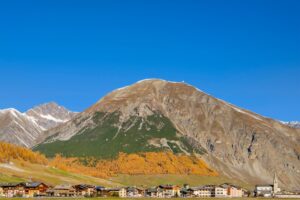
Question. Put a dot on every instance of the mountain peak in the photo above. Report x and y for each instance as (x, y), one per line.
(49, 115)
(24, 128)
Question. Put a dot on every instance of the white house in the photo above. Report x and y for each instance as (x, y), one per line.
(204, 191)
(219, 192)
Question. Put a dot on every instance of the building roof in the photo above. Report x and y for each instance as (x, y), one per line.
(167, 186)
(84, 186)
(228, 185)
(10, 184)
(263, 185)
(99, 188)
(31, 184)
(63, 187)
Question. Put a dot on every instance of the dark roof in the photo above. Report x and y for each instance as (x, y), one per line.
(184, 190)
(99, 188)
(10, 184)
(84, 186)
(167, 186)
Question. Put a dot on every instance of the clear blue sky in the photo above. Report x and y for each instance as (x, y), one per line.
(74, 52)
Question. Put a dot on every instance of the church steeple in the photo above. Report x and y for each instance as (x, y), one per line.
(275, 184)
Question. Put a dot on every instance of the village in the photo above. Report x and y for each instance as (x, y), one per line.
(39, 189)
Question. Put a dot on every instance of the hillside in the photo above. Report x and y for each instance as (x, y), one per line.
(21, 164)
(25, 129)
(156, 115)
(150, 163)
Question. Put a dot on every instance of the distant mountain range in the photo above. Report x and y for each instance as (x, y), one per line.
(157, 115)
(293, 124)
(25, 128)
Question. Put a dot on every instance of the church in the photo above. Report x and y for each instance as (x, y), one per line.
(267, 190)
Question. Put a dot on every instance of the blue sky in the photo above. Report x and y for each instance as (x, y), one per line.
(75, 52)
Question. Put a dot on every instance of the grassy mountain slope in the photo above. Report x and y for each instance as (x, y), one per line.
(17, 171)
(107, 138)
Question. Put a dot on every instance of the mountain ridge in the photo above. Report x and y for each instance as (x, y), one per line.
(24, 128)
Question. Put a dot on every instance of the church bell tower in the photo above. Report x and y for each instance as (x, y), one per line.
(276, 189)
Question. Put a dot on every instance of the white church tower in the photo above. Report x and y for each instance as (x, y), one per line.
(276, 189)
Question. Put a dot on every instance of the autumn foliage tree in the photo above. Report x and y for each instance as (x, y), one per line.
(9, 152)
(134, 164)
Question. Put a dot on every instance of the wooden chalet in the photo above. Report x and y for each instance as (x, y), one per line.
(85, 190)
(33, 189)
(62, 191)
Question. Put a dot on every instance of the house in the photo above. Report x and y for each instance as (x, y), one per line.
(232, 190)
(263, 190)
(99, 191)
(12, 189)
(85, 190)
(111, 192)
(33, 189)
(170, 190)
(267, 190)
(185, 191)
(122, 192)
(154, 192)
(219, 192)
(62, 191)
(135, 192)
(203, 191)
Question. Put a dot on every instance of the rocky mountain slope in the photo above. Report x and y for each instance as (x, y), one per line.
(155, 115)
(24, 128)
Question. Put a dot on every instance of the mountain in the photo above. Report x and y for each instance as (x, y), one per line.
(293, 124)
(157, 115)
(24, 128)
